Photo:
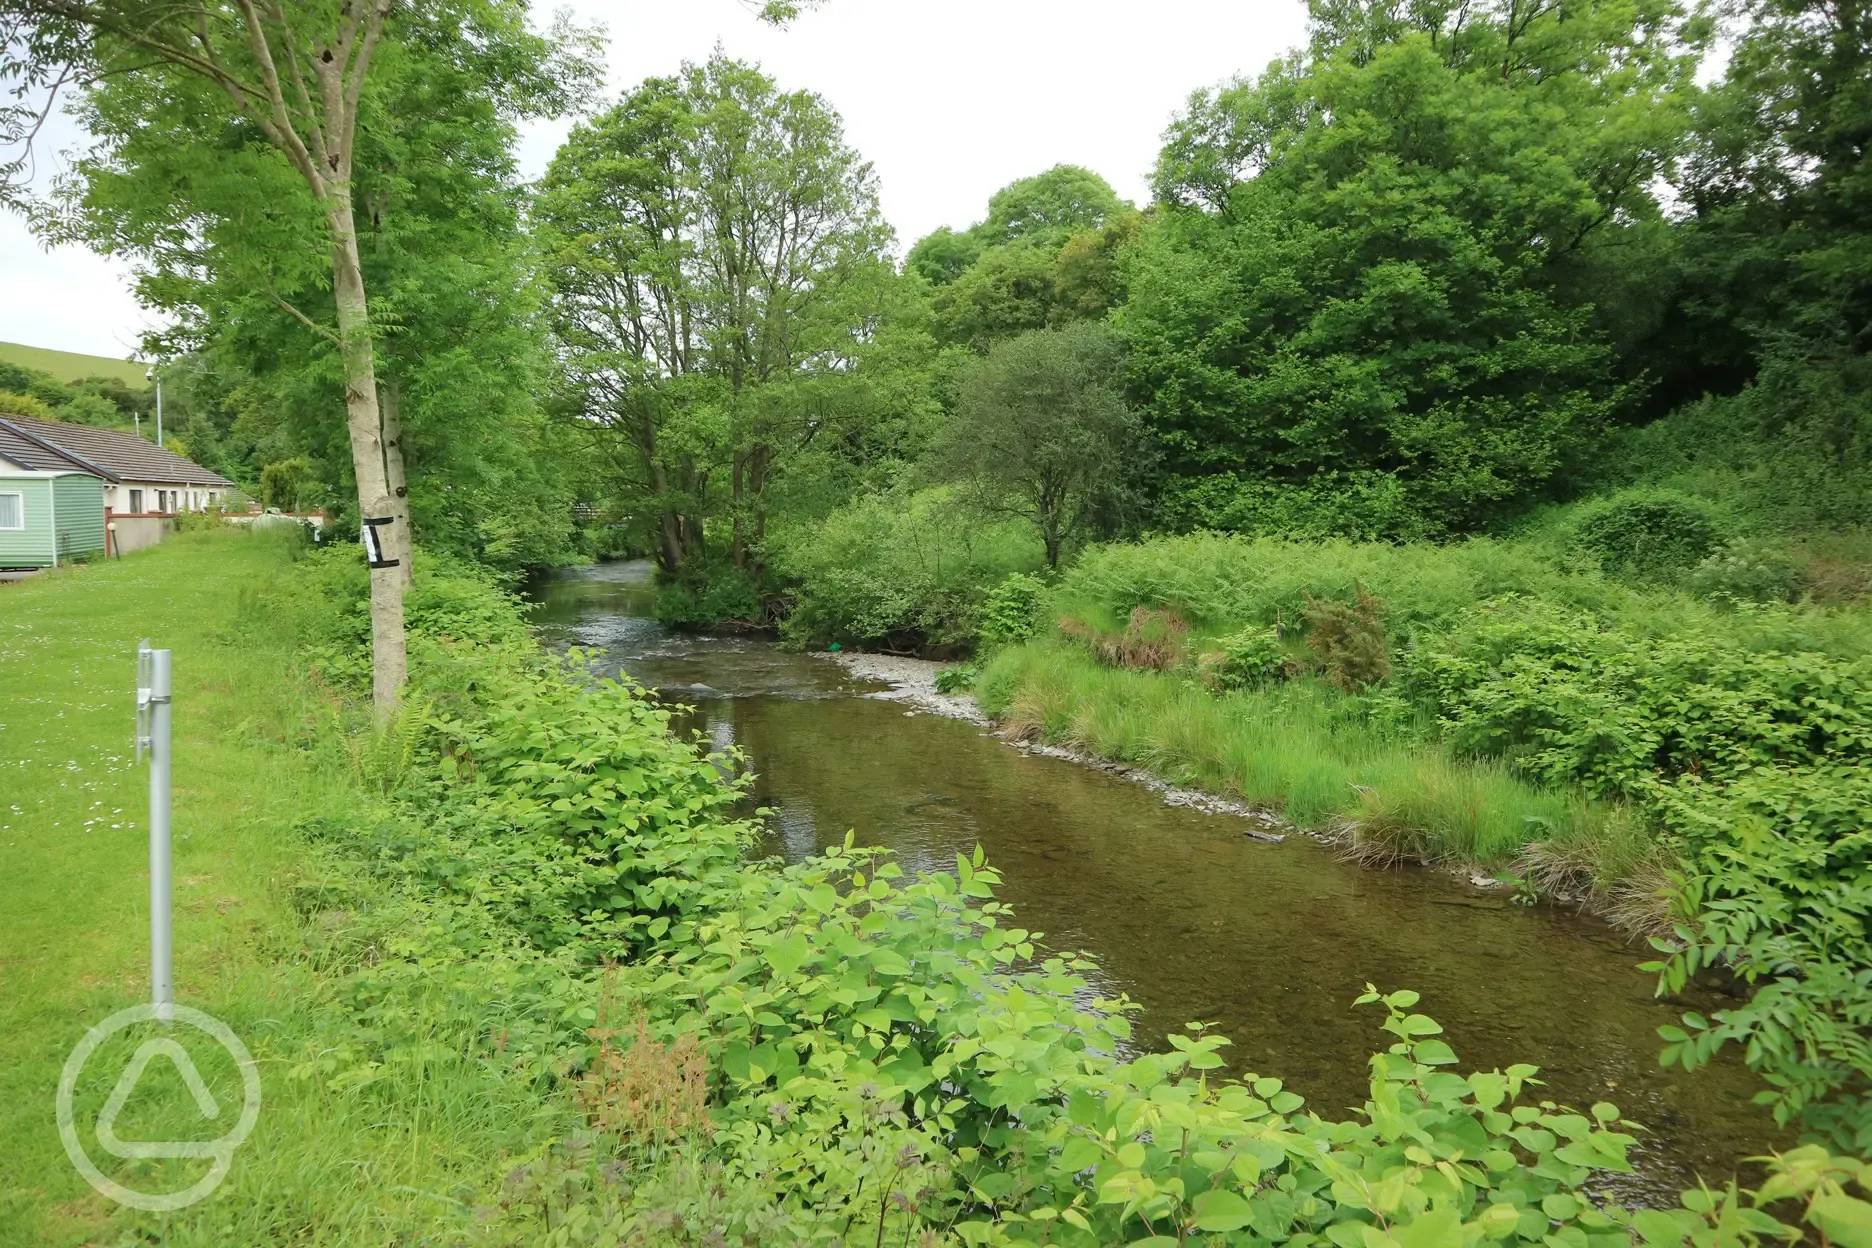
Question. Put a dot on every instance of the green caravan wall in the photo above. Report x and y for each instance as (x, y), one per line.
(80, 515)
(32, 547)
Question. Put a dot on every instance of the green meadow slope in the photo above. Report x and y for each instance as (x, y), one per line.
(70, 366)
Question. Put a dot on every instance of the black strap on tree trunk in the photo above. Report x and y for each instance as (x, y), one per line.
(374, 544)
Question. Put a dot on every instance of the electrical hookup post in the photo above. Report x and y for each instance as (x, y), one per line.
(152, 734)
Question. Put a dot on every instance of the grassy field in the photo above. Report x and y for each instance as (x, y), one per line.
(70, 366)
(358, 1163)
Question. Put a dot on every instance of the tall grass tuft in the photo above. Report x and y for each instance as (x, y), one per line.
(1386, 789)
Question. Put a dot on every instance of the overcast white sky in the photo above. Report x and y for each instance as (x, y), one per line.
(950, 99)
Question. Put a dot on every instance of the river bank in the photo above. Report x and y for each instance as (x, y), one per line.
(913, 682)
(275, 936)
(1187, 916)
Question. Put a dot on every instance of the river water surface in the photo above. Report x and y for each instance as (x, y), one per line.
(1185, 914)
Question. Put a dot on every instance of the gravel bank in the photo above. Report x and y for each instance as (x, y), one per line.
(913, 683)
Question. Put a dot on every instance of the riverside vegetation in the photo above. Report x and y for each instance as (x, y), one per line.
(1467, 451)
(521, 915)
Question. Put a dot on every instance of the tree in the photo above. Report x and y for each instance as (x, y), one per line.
(1048, 208)
(1779, 247)
(1041, 430)
(1045, 254)
(298, 79)
(1382, 265)
(296, 72)
(717, 259)
(224, 245)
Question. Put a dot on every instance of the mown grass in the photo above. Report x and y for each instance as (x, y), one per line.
(391, 1156)
(1368, 772)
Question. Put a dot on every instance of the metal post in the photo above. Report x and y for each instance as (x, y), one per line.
(159, 411)
(153, 711)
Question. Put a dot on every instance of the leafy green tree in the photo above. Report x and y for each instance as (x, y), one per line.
(225, 243)
(1041, 430)
(1048, 207)
(1778, 253)
(289, 87)
(1045, 254)
(943, 255)
(1369, 263)
(718, 262)
(1007, 291)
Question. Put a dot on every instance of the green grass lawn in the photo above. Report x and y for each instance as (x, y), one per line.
(327, 1164)
(70, 366)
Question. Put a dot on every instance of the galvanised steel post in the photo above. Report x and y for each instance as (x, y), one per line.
(153, 732)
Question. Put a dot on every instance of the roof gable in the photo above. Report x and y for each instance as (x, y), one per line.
(109, 453)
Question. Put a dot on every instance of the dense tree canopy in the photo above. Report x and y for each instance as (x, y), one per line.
(1374, 263)
(718, 263)
(228, 242)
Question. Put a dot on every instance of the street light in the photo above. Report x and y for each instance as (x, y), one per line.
(150, 375)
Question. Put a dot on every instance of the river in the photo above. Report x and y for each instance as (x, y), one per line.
(1184, 913)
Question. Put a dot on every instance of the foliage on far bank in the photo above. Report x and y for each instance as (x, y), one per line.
(905, 572)
(1495, 696)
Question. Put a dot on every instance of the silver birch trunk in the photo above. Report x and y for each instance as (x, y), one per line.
(388, 400)
(363, 421)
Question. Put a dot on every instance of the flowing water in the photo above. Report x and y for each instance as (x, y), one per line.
(1185, 914)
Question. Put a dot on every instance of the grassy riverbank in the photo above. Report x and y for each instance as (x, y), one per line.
(1589, 707)
(368, 1162)
(511, 979)
(1326, 765)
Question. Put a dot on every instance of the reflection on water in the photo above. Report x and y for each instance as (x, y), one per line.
(1185, 914)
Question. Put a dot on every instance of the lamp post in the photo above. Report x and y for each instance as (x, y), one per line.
(150, 375)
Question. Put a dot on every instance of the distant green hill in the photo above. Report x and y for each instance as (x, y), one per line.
(69, 366)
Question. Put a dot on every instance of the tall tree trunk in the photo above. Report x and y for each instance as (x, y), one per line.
(738, 549)
(389, 404)
(389, 661)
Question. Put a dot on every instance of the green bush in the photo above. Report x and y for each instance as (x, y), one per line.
(956, 679)
(1013, 611)
(1362, 506)
(1222, 583)
(1245, 660)
(720, 594)
(1751, 571)
(1756, 763)
(907, 572)
(1649, 532)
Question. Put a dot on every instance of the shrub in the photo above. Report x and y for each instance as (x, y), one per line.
(14, 404)
(721, 594)
(1748, 570)
(1012, 611)
(1755, 763)
(1348, 639)
(956, 679)
(904, 573)
(1244, 660)
(1649, 532)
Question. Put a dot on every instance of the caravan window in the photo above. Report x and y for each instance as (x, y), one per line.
(12, 511)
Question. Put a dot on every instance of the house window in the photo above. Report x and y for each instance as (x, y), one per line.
(136, 502)
(12, 511)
